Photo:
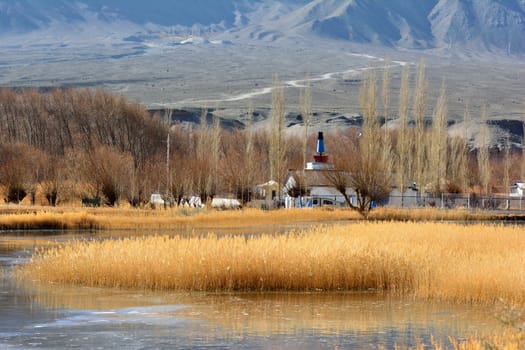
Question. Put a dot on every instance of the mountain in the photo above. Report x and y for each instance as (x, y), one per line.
(494, 25)
(23, 16)
(480, 24)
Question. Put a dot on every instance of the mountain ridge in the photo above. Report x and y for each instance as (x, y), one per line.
(484, 25)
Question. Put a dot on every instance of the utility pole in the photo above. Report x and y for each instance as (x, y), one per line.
(168, 176)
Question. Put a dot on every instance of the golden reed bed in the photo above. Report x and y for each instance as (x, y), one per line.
(33, 218)
(465, 263)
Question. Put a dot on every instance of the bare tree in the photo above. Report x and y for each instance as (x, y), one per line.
(386, 81)
(277, 150)
(362, 163)
(21, 171)
(463, 167)
(248, 174)
(371, 135)
(55, 179)
(421, 140)
(506, 163)
(403, 146)
(367, 176)
(109, 172)
(522, 174)
(201, 165)
(438, 146)
(483, 153)
(458, 158)
(306, 113)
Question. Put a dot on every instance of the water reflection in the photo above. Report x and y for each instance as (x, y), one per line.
(262, 315)
(51, 316)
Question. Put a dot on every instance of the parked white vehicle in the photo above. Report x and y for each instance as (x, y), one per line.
(156, 199)
(226, 203)
(517, 190)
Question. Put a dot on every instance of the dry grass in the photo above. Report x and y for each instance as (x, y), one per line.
(476, 263)
(433, 214)
(26, 218)
(49, 220)
(110, 218)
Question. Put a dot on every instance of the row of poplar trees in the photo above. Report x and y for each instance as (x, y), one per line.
(411, 148)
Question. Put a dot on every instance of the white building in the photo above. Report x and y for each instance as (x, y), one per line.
(311, 186)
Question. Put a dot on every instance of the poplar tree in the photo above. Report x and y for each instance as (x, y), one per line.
(277, 149)
(421, 140)
(438, 146)
(403, 145)
(306, 113)
(483, 153)
(465, 150)
(386, 141)
(371, 134)
(458, 157)
(386, 79)
(506, 163)
(249, 157)
(523, 149)
(206, 169)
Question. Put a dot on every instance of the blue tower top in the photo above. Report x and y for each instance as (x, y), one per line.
(320, 143)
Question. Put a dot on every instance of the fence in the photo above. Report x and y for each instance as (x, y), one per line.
(454, 200)
(438, 200)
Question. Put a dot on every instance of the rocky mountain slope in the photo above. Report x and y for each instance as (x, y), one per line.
(494, 25)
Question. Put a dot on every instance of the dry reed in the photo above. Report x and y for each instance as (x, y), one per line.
(114, 218)
(118, 218)
(49, 220)
(473, 263)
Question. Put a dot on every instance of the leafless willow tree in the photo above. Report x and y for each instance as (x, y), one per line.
(366, 170)
(109, 173)
(21, 172)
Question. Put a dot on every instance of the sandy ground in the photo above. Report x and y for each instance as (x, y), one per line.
(228, 76)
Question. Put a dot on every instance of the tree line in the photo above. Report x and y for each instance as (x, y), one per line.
(67, 144)
(418, 151)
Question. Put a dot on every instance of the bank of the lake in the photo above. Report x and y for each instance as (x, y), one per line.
(77, 218)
